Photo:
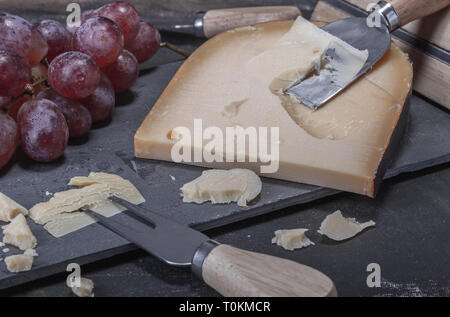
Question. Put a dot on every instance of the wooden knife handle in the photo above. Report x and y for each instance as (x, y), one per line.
(410, 10)
(239, 273)
(217, 21)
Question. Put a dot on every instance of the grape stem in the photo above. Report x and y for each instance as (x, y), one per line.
(28, 91)
(176, 49)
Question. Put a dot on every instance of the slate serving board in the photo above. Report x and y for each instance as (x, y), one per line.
(427, 143)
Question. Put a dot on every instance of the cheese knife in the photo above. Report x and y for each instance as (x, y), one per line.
(209, 23)
(229, 270)
(362, 33)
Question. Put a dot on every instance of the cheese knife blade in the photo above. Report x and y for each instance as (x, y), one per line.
(372, 34)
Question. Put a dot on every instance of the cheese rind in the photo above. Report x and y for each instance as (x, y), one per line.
(223, 187)
(19, 234)
(335, 226)
(10, 209)
(341, 145)
(292, 239)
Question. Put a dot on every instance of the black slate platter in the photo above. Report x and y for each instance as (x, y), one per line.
(426, 143)
(36, 184)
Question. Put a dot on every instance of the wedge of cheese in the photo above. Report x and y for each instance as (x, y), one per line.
(10, 209)
(63, 214)
(239, 78)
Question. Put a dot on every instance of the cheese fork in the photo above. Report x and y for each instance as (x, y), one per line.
(229, 270)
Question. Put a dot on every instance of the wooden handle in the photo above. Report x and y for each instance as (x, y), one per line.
(217, 21)
(239, 273)
(410, 10)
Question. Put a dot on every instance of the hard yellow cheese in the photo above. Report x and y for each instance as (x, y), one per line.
(344, 145)
(62, 214)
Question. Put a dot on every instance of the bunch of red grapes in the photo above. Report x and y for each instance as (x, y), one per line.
(74, 74)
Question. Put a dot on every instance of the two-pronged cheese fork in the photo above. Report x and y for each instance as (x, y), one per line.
(230, 271)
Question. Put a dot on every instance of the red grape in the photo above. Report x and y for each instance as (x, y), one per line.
(15, 106)
(58, 38)
(43, 130)
(99, 38)
(124, 15)
(101, 103)
(84, 16)
(15, 33)
(14, 73)
(146, 43)
(124, 72)
(4, 100)
(9, 137)
(78, 118)
(38, 49)
(74, 75)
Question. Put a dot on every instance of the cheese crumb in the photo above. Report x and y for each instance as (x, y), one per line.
(5, 250)
(19, 262)
(9, 209)
(337, 227)
(172, 177)
(292, 239)
(85, 289)
(223, 187)
(18, 234)
(31, 252)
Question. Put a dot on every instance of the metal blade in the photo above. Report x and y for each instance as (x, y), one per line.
(169, 241)
(316, 90)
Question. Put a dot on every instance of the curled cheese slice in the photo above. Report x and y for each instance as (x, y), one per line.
(337, 227)
(223, 187)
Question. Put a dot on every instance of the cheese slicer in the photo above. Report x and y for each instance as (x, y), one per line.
(372, 33)
(229, 270)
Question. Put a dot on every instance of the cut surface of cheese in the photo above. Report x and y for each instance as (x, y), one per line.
(231, 110)
(19, 262)
(10, 209)
(292, 239)
(300, 53)
(223, 187)
(335, 226)
(63, 214)
(346, 144)
(18, 233)
(85, 289)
